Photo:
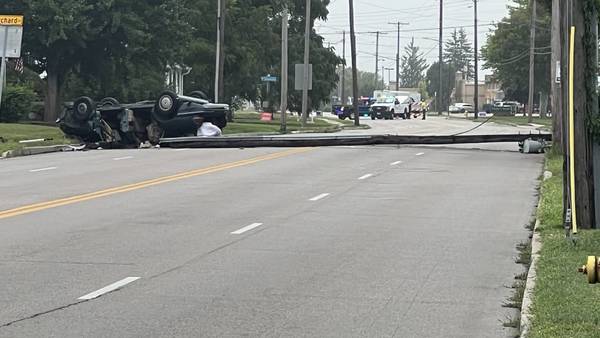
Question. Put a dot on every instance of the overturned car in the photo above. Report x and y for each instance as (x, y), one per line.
(110, 123)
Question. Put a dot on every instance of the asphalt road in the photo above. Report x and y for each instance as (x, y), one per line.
(327, 242)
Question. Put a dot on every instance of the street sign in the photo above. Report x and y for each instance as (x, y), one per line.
(11, 20)
(299, 76)
(268, 78)
(11, 35)
(14, 37)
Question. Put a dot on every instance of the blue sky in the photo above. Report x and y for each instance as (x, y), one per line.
(423, 19)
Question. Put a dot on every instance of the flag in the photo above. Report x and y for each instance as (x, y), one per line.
(19, 67)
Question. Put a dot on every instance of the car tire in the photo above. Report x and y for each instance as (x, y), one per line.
(83, 108)
(166, 106)
(109, 102)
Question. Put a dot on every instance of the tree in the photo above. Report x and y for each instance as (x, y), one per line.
(433, 82)
(413, 66)
(366, 83)
(459, 53)
(106, 41)
(507, 51)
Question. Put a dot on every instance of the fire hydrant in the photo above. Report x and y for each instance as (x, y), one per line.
(591, 269)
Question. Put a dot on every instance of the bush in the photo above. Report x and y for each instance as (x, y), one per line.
(17, 102)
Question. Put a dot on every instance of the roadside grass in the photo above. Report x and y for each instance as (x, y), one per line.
(250, 122)
(12, 133)
(522, 120)
(564, 304)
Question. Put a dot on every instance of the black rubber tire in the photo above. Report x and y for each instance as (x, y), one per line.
(166, 106)
(109, 102)
(199, 95)
(83, 108)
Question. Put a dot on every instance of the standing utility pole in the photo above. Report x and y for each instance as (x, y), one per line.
(476, 98)
(354, 67)
(377, 58)
(555, 98)
(344, 68)
(398, 53)
(306, 58)
(532, 60)
(219, 60)
(284, 68)
(440, 61)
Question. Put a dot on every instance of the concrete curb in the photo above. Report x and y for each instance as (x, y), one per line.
(29, 151)
(536, 247)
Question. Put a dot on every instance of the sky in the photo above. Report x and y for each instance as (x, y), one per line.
(422, 17)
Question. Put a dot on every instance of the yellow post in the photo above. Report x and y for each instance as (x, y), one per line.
(572, 128)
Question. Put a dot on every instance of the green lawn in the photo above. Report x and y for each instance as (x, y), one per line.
(564, 304)
(249, 122)
(12, 133)
(520, 120)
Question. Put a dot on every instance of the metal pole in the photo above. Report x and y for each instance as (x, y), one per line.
(556, 99)
(3, 61)
(398, 60)
(532, 61)
(377, 57)
(354, 66)
(344, 68)
(218, 52)
(284, 69)
(476, 98)
(440, 61)
(306, 59)
(382, 78)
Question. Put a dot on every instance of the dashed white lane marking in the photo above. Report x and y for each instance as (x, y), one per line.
(122, 158)
(364, 177)
(319, 197)
(396, 163)
(42, 169)
(180, 149)
(114, 286)
(246, 228)
(420, 154)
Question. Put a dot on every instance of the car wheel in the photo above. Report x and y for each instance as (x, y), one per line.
(83, 108)
(372, 117)
(109, 102)
(166, 106)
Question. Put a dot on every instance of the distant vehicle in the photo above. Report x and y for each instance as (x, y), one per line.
(388, 107)
(113, 124)
(461, 108)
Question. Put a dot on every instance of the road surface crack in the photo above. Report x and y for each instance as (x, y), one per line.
(42, 313)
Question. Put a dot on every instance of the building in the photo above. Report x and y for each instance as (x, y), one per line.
(464, 90)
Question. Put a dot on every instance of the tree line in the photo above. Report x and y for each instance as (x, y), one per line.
(121, 48)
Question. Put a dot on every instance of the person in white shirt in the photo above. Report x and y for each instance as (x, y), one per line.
(206, 129)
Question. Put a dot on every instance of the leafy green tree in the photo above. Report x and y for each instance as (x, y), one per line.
(366, 83)
(433, 82)
(459, 53)
(413, 66)
(507, 51)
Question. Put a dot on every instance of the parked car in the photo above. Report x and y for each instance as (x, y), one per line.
(121, 125)
(462, 108)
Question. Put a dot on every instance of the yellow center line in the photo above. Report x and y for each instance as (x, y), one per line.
(143, 184)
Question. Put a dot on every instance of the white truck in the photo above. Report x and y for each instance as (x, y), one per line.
(391, 104)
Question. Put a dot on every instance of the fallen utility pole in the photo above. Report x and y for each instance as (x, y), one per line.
(329, 141)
